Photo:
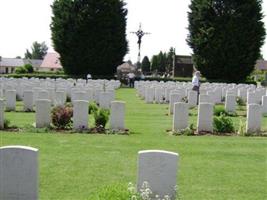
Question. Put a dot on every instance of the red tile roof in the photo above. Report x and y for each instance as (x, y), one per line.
(51, 60)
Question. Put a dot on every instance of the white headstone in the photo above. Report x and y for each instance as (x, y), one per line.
(60, 98)
(117, 115)
(264, 105)
(2, 110)
(180, 116)
(230, 103)
(174, 98)
(28, 100)
(18, 173)
(104, 100)
(43, 94)
(204, 98)
(192, 98)
(159, 170)
(80, 115)
(42, 115)
(10, 100)
(205, 117)
(254, 115)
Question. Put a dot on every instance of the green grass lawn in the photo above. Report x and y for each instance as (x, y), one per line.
(76, 166)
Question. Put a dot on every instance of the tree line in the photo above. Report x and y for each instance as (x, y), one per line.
(162, 62)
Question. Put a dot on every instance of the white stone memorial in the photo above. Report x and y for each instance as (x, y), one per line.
(159, 170)
(192, 98)
(18, 173)
(230, 103)
(42, 115)
(117, 115)
(180, 116)
(10, 100)
(264, 105)
(80, 115)
(28, 100)
(174, 98)
(205, 117)
(254, 116)
(2, 111)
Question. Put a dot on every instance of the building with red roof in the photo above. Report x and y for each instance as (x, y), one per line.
(51, 62)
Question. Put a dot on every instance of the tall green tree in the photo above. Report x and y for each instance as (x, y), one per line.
(154, 63)
(38, 51)
(146, 64)
(162, 62)
(89, 35)
(170, 57)
(226, 37)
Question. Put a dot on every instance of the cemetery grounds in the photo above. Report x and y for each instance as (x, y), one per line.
(79, 166)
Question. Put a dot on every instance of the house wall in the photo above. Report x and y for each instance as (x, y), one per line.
(7, 70)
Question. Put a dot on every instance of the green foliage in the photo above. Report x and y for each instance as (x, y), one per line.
(226, 37)
(223, 124)
(219, 111)
(241, 129)
(163, 62)
(6, 123)
(93, 107)
(188, 131)
(114, 191)
(145, 64)
(20, 70)
(101, 117)
(240, 102)
(38, 51)
(29, 68)
(61, 117)
(94, 30)
(25, 69)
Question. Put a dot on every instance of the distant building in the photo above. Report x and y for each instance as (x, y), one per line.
(9, 65)
(34, 62)
(261, 65)
(183, 66)
(51, 62)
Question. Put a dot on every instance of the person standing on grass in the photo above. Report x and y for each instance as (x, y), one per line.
(131, 77)
(196, 83)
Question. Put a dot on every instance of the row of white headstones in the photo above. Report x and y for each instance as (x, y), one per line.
(43, 94)
(19, 173)
(210, 94)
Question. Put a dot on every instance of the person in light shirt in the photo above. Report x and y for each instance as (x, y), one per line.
(196, 82)
(131, 77)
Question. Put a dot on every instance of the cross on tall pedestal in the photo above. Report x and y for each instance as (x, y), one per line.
(140, 34)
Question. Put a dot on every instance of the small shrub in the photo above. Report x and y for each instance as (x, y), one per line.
(92, 107)
(101, 117)
(188, 131)
(240, 101)
(219, 111)
(223, 124)
(114, 191)
(61, 117)
(20, 70)
(242, 128)
(68, 99)
(6, 124)
(29, 68)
